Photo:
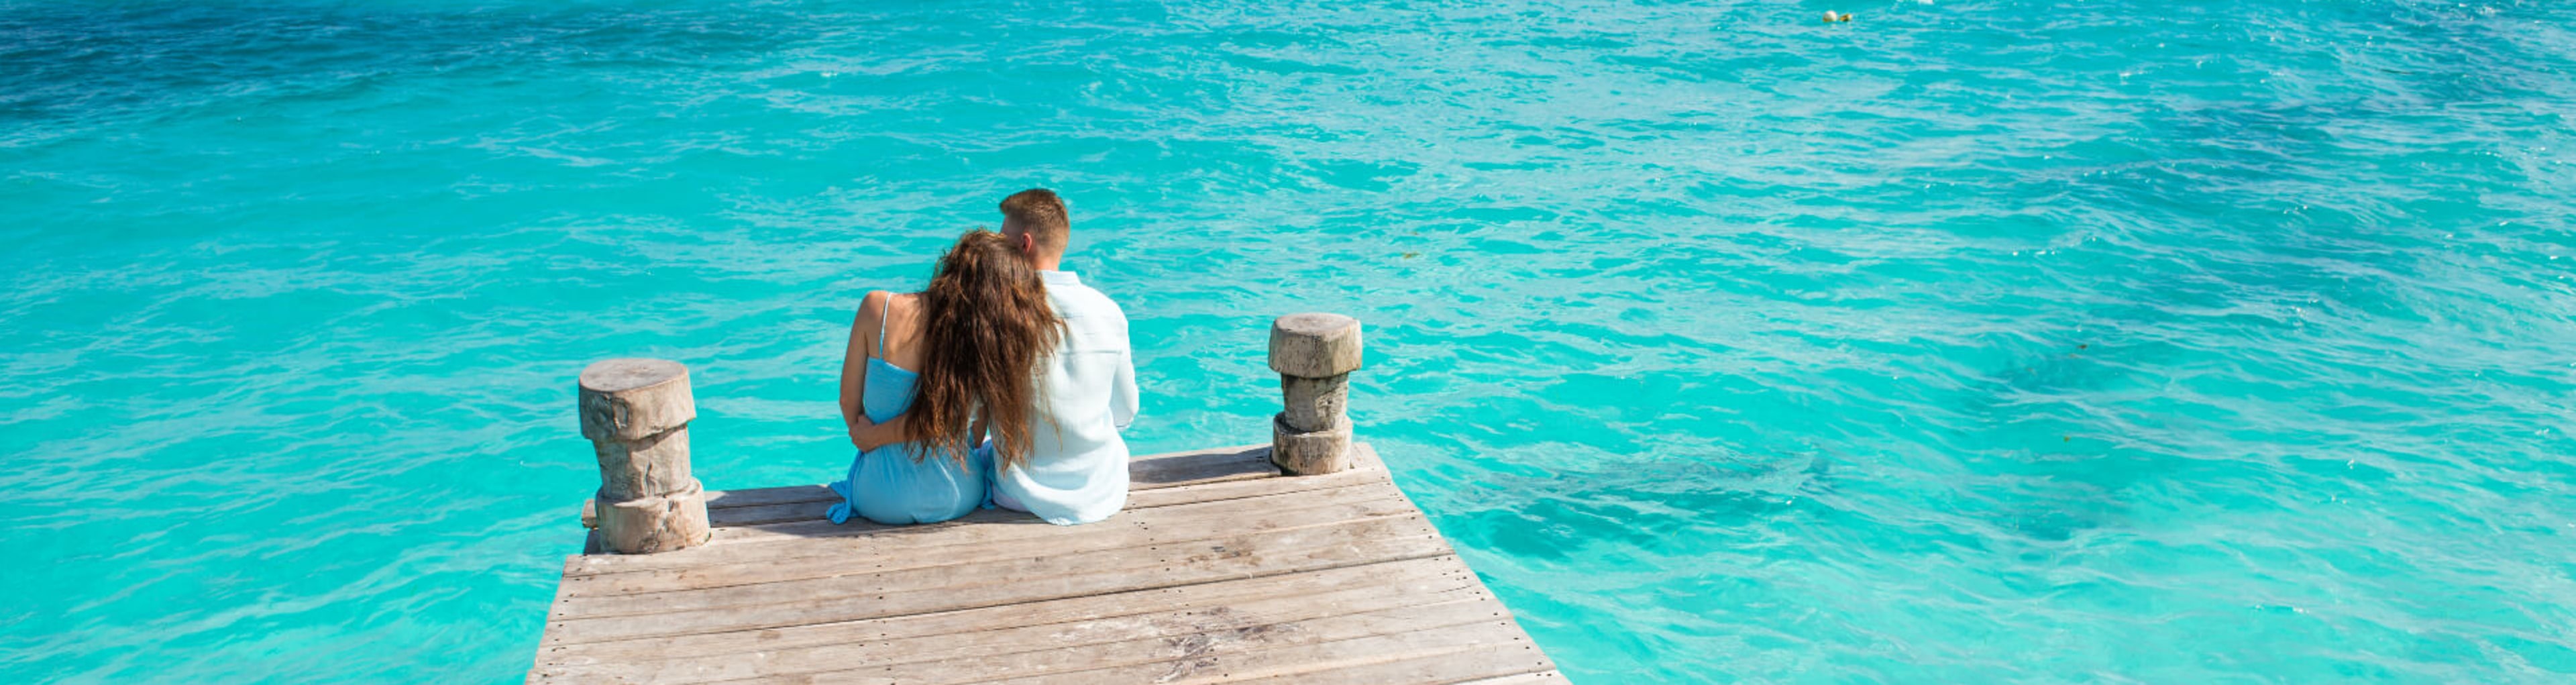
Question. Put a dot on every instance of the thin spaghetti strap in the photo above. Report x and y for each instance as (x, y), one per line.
(882, 316)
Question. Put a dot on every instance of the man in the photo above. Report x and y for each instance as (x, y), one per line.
(1077, 467)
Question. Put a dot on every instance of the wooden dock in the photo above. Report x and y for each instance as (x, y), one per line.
(1221, 569)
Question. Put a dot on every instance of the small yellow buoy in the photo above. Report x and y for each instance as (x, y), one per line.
(1833, 16)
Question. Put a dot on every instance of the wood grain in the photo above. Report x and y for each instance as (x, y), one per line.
(1219, 570)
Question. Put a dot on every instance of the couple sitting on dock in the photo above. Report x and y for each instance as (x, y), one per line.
(1004, 344)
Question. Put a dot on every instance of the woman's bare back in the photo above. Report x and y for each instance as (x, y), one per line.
(903, 325)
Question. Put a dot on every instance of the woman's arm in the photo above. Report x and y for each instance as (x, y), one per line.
(866, 434)
(854, 365)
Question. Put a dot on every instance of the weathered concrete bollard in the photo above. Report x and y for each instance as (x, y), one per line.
(1314, 355)
(636, 413)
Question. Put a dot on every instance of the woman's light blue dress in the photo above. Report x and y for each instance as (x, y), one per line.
(885, 484)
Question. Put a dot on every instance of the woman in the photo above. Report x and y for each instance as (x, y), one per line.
(926, 374)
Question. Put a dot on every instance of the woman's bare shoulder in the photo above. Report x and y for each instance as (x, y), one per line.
(889, 309)
(873, 305)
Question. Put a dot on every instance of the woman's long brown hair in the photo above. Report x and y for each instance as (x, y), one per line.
(985, 326)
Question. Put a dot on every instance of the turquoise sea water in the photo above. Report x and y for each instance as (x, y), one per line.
(1970, 341)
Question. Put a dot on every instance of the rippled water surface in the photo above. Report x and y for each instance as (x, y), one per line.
(1970, 341)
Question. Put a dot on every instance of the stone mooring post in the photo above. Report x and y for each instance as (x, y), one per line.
(636, 413)
(1314, 355)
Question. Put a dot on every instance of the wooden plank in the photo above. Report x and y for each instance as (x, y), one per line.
(1205, 613)
(987, 528)
(1176, 469)
(1216, 492)
(863, 579)
(736, 499)
(1466, 651)
(869, 595)
(817, 527)
(1547, 677)
(1429, 575)
(778, 512)
(1365, 468)
(1176, 654)
(1479, 663)
(961, 547)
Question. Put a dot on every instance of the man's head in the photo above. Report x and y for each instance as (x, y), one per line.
(1035, 220)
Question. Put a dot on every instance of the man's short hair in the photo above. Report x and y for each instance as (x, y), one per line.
(1040, 213)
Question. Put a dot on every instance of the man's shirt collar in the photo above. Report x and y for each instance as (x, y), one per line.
(1060, 278)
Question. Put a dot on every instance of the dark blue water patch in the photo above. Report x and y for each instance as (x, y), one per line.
(2453, 53)
(1635, 503)
(2048, 422)
(89, 61)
